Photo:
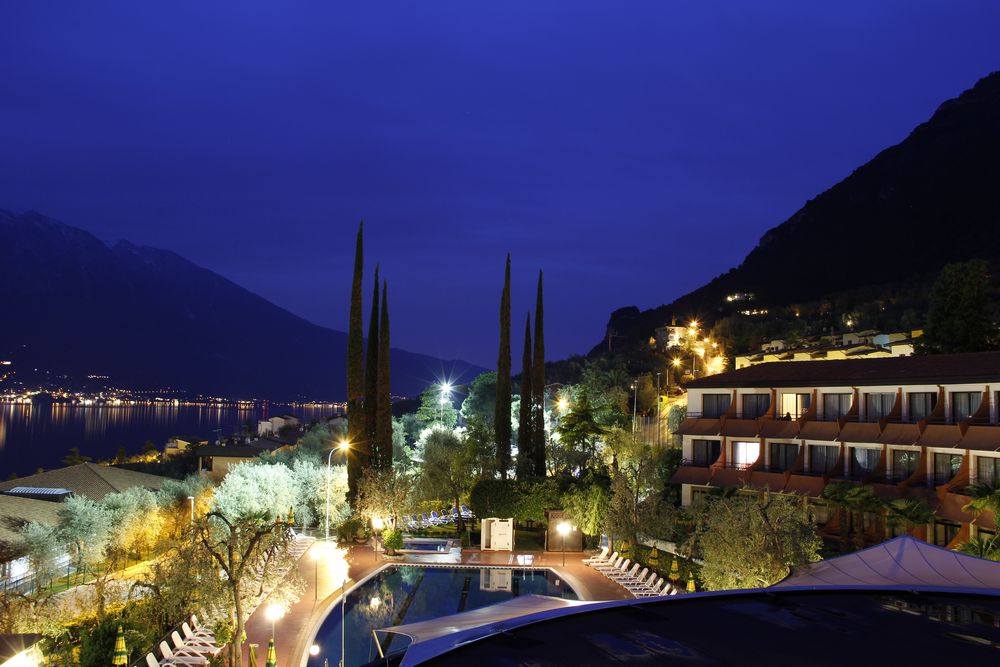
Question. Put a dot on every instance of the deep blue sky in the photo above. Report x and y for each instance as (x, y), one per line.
(632, 150)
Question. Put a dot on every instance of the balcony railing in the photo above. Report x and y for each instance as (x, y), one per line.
(695, 463)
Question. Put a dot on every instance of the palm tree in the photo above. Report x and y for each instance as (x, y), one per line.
(908, 513)
(836, 495)
(985, 498)
(982, 547)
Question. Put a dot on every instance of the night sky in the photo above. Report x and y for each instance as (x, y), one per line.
(632, 150)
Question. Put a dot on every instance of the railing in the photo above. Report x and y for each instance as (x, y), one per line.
(775, 468)
(694, 463)
(737, 466)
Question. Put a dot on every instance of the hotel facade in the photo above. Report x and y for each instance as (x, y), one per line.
(923, 427)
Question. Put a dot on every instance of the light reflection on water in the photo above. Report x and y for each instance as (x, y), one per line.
(34, 436)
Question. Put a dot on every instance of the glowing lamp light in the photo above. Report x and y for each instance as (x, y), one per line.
(563, 404)
(563, 528)
(274, 612)
(676, 362)
(378, 523)
(343, 445)
(445, 387)
(314, 649)
(375, 603)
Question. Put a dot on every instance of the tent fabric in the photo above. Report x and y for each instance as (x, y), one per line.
(433, 637)
(903, 561)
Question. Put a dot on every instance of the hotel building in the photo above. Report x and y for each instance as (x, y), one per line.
(921, 427)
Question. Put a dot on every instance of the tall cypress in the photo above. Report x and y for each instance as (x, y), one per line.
(355, 370)
(525, 442)
(371, 379)
(502, 414)
(383, 412)
(538, 388)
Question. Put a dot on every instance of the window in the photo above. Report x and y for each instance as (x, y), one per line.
(904, 464)
(945, 532)
(878, 405)
(822, 458)
(988, 470)
(783, 456)
(794, 405)
(714, 406)
(964, 403)
(946, 466)
(706, 452)
(864, 461)
(755, 405)
(836, 406)
(745, 454)
(921, 404)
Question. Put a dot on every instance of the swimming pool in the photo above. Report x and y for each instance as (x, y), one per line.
(400, 594)
(424, 544)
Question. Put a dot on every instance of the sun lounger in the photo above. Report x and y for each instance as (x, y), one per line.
(186, 658)
(656, 591)
(193, 644)
(641, 585)
(606, 561)
(599, 558)
(616, 565)
(624, 574)
(633, 577)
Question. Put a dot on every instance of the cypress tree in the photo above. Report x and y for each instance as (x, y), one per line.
(502, 419)
(538, 389)
(383, 414)
(368, 451)
(355, 370)
(525, 442)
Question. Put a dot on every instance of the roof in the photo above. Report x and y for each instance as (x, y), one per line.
(903, 561)
(819, 628)
(433, 636)
(88, 479)
(15, 511)
(973, 367)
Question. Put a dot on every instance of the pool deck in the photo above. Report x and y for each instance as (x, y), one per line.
(292, 633)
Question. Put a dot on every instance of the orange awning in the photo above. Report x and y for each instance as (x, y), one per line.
(940, 435)
(806, 485)
(691, 475)
(899, 434)
(779, 428)
(740, 428)
(981, 439)
(859, 432)
(819, 431)
(698, 426)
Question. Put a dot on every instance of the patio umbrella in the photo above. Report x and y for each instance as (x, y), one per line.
(691, 587)
(253, 655)
(675, 572)
(120, 656)
(272, 657)
(653, 560)
(625, 550)
(291, 517)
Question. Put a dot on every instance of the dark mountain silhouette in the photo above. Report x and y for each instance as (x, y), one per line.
(151, 319)
(930, 200)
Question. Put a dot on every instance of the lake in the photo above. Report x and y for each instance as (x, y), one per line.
(40, 435)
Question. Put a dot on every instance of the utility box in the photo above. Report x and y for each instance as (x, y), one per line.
(497, 535)
(555, 540)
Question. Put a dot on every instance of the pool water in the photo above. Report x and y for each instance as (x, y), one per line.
(440, 547)
(409, 593)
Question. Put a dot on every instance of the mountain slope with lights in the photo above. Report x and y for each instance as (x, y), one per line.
(871, 242)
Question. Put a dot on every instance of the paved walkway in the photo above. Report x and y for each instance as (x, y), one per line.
(291, 633)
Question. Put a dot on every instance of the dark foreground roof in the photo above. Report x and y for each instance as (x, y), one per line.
(930, 369)
(793, 628)
(88, 479)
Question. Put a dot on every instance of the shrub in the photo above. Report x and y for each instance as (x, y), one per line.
(352, 528)
(392, 540)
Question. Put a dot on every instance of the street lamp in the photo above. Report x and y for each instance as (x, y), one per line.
(343, 446)
(314, 649)
(635, 403)
(273, 613)
(445, 395)
(377, 525)
(563, 529)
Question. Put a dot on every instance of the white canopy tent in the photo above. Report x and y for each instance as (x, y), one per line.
(901, 562)
(436, 636)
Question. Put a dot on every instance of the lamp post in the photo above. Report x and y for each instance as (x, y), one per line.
(635, 401)
(658, 402)
(191, 498)
(377, 525)
(343, 446)
(563, 529)
(445, 395)
(273, 613)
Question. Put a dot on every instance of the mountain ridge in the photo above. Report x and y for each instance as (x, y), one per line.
(931, 198)
(150, 318)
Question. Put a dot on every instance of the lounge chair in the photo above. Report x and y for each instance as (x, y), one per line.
(617, 565)
(200, 633)
(181, 657)
(605, 561)
(201, 639)
(467, 513)
(625, 574)
(641, 585)
(655, 591)
(193, 646)
(599, 558)
(633, 578)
